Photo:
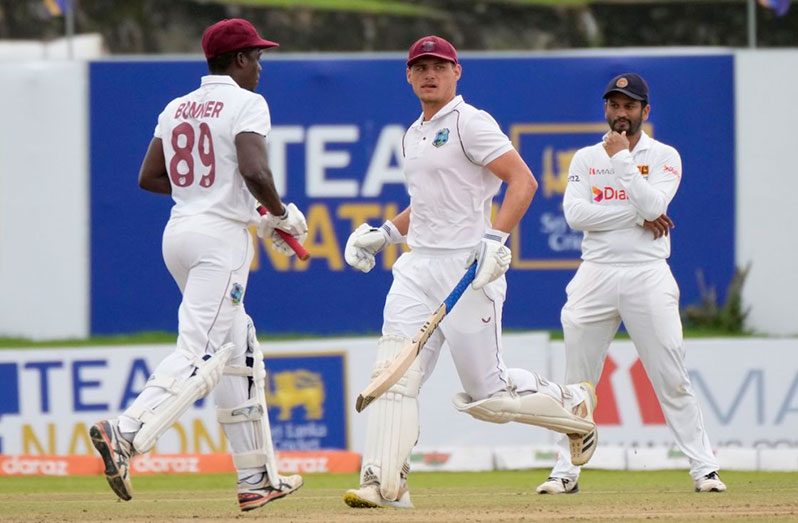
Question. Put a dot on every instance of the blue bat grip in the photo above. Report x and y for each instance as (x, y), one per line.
(462, 285)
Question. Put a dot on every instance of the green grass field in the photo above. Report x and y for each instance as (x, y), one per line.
(169, 337)
(461, 497)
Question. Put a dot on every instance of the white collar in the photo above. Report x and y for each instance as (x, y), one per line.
(643, 143)
(218, 79)
(445, 110)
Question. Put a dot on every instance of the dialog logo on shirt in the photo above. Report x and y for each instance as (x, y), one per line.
(608, 193)
(441, 137)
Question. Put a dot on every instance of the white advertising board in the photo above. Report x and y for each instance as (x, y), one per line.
(51, 396)
(748, 389)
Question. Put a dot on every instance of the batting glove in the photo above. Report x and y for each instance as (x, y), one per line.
(366, 241)
(292, 221)
(492, 256)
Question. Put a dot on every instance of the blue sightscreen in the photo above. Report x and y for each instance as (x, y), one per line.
(550, 106)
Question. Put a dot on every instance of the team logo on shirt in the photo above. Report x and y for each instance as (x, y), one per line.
(237, 293)
(643, 170)
(441, 137)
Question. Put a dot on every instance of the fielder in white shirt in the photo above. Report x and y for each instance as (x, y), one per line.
(209, 153)
(618, 194)
(456, 160)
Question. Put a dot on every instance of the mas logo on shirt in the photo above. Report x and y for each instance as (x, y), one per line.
(441, 137)
(594, 171)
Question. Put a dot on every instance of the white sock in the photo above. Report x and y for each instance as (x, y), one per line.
(574, 395)
(251, 476)
(128, 425)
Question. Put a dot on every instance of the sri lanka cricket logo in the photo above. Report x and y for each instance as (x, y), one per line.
(441, 137)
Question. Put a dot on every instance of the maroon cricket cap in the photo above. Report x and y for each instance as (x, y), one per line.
(630, 84)
(232, 34)
(431, 46)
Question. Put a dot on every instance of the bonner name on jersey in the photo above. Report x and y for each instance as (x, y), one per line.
(194, 110)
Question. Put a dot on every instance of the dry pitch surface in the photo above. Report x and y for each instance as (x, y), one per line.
(460, 497)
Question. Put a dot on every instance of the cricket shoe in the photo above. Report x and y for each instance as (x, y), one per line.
(710, 483)
(369, 496)
(554, 485)
(255, 495)
(584, 445)
(116, 452)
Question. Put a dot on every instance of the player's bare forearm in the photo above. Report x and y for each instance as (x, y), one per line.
(521, 188)
(261, 186)
(159, 185)
(517, 199)
(152, 174)
(402, 221)
(253, 163)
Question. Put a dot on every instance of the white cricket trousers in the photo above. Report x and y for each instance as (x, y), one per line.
(645, 297)
(422, 279)
(211, 272)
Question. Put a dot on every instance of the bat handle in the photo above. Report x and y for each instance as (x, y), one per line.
(461, 287)
(297, 247)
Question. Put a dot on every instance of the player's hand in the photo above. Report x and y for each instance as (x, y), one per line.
(366, 241)
(492, 256)
(660, 226)
(615, 143)
(293, 222)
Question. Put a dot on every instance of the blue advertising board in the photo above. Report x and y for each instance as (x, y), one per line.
(307, 401)
(335, 150)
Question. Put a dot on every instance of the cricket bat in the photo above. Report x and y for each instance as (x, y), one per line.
(394, 372)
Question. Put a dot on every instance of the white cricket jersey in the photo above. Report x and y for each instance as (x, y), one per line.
(608, 199)
(450, 188)
(198, 132)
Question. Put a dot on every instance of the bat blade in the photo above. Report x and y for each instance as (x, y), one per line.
(394, 372)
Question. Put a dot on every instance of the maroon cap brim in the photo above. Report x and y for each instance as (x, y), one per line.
(265, 44)
(436, 55)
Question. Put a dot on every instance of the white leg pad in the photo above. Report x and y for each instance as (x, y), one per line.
(158, 420)
(251, 411)
(392, 428)
(254, 411)
(532, 409)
